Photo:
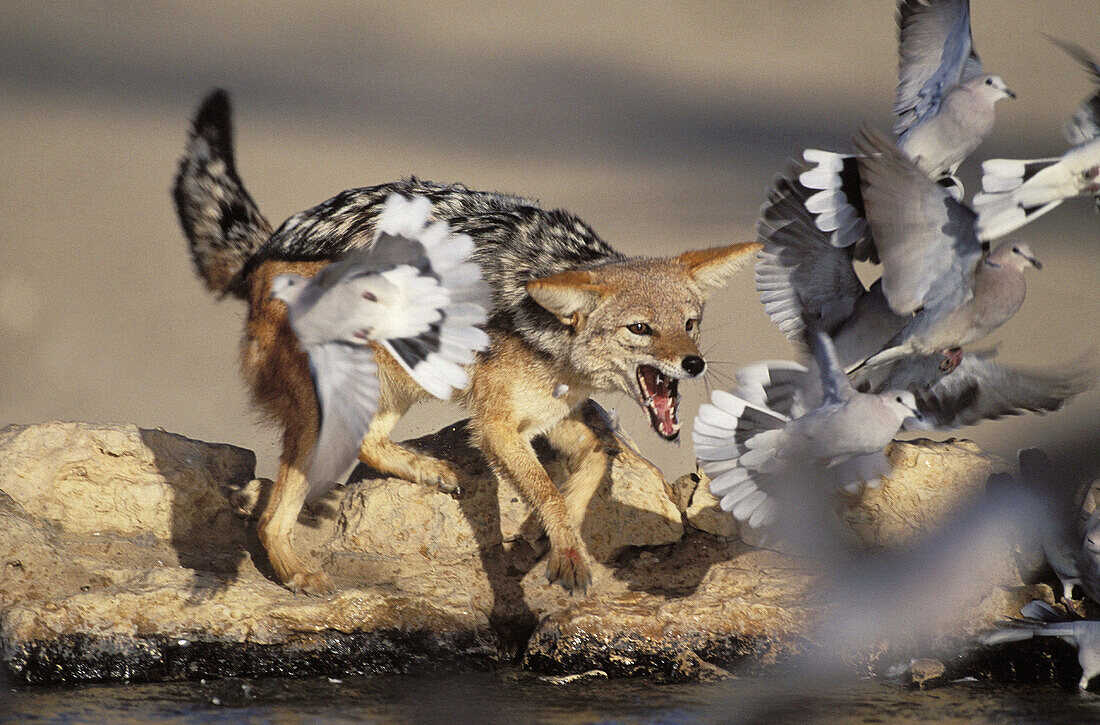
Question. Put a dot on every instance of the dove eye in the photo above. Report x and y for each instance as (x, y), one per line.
(989, 81)
(1015, 250)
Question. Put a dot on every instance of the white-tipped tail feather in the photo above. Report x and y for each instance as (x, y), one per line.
(836, 206)
(1018, 191)
(414, 293)
(735, 440)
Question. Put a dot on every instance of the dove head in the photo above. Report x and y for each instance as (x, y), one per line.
(904, 403)
(288, 288)
(991, 87)
(1016, 255)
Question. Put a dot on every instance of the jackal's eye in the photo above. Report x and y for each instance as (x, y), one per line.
(692, 324)
(640, 328)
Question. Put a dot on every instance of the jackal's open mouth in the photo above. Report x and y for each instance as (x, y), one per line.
(660, 397)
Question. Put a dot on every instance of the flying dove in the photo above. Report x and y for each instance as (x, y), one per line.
(412, 292)
(1039, 619)
(944, 105)
(799, 274)
(934, 267)
(1017, 191)
(1071, 544)
(745, 447)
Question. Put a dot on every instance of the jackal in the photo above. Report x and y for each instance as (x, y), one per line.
(569, 316)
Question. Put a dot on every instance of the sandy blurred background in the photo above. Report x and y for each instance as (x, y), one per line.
(659, 124)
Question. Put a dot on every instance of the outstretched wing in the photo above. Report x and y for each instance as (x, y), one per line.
(1085, 123)
(935, 52)
(982, 389)
(346, 380)
(798, 271)
(440, 301)
(738, 444)
(926, 240)
(413, 292)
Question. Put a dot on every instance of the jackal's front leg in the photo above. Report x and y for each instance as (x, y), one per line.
(587, 461)
(512, 457)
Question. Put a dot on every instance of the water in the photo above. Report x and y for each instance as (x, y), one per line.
(510, 697)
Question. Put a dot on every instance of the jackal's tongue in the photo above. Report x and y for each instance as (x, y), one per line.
(659, 398)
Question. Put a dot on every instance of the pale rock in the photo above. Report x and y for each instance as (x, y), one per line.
(928, 479)
(393, 518)
(90, 478)
(118, 543)
(704, 514)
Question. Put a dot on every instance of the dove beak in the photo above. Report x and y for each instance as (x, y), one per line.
(1035, 263)
(1010, 93)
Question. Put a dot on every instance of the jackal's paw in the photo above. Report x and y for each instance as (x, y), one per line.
(449, 484)
(314, 583)
(432, 472)
(570, 568)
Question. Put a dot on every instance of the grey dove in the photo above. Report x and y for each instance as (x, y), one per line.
(800, 274)
(745, 447)
(414, 293)
(1017, 191)
(944, 105)
(935, 268)
(1071, 544)
(1039, 619)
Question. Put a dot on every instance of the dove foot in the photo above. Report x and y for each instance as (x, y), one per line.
(570, 568)
(952, 358)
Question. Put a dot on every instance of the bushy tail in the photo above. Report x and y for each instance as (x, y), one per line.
(221, 221)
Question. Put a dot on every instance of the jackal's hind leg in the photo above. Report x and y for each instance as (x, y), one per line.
(382, 454)
(276, 527)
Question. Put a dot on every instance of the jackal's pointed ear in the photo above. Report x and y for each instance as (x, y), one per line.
(569, 296)
(711, 268)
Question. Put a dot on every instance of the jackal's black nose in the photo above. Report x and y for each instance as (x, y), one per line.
(693, 365)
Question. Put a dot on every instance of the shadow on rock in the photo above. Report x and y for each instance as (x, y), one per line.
(205, 534)
(443, 541)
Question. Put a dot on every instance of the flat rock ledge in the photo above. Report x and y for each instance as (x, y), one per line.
(131, 554)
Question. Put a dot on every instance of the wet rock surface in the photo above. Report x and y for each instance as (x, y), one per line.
(131, 554)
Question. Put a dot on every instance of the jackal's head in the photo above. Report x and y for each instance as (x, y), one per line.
(634, 324)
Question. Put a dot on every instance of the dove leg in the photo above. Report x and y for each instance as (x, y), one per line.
(587, 461)
(951, 360)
